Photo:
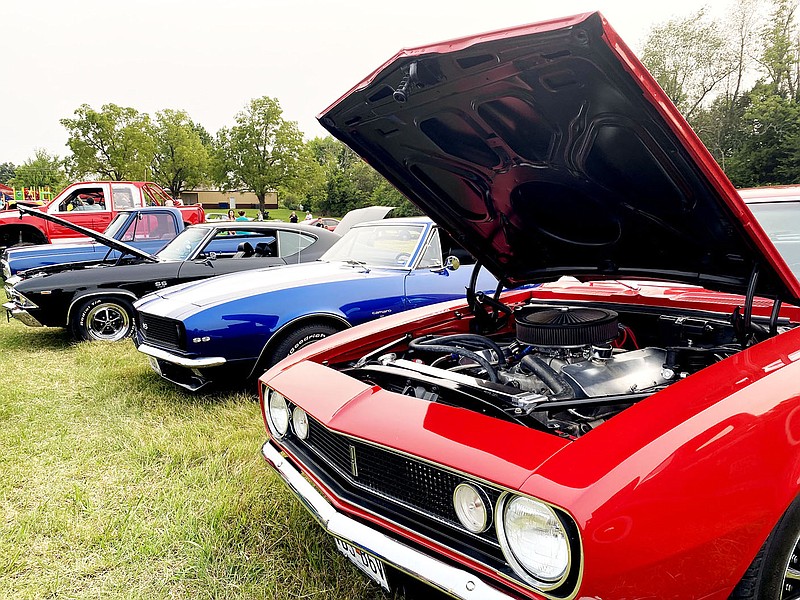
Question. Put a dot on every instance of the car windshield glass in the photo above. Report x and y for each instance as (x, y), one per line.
(114, 227)
(781, 222)
(183, 246)
(378, 245)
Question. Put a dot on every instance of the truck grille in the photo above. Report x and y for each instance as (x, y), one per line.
(162, 332)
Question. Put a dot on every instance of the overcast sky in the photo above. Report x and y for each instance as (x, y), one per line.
(210, 58)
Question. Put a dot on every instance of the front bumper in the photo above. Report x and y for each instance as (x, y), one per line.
(182, 361)
(20, 314)
(432, 571)
(189, 373)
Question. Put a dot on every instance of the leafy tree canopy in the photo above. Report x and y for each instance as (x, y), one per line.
(689, 58)
(262, 151)
(114, 143)
(43, 170)
(7, 171)
(181, 157)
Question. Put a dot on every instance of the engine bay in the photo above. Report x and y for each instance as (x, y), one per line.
(561, 368)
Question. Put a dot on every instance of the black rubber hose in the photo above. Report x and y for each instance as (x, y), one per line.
(478, 340)
(551, 378)
(426, 346)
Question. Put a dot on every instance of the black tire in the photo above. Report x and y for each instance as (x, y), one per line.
(774, 573)
(106, 318)
(299, 338)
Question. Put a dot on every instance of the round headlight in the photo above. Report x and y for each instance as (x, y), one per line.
(300, 422)
(472, 507)
(278, 413)
(534, 540)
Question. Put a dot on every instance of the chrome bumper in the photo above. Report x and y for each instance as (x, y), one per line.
(20, 314)
(451, 580)
(181, 361)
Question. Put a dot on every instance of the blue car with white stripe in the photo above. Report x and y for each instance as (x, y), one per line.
(233, 327)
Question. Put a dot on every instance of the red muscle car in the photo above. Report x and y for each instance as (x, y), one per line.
(628, 429)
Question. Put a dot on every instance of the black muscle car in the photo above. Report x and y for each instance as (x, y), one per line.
(94, 299)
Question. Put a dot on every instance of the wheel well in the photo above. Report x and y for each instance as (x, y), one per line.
(21, 234)
(334, 321)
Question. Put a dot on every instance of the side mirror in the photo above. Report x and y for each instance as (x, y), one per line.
(452, 263)
(211, 257)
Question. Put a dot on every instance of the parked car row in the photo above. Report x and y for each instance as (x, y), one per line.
(620, 422)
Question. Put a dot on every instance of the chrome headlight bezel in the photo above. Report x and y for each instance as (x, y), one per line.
(278, 413)
(473, 526)
(300, 423)
(524, 569)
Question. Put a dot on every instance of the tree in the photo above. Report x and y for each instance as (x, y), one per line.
(262, 152)
(719, 124)
(770, 153)
(689, 58)
(780, 56)
(115, 143)
(181, 158)
(43, 170)
(352, 183)
(7, 171)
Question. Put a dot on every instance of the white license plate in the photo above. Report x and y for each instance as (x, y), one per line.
(371, 566)
(155, 365)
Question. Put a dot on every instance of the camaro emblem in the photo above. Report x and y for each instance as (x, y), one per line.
(353, 463)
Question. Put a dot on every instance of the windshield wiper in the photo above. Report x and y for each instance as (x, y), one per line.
(357, 263)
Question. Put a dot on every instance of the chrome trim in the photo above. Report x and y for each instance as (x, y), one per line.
(21, 315)
(469, 478)
(451, 580)
(520, 570)
(189, 363)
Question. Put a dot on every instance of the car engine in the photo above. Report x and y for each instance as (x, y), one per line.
(566, 369)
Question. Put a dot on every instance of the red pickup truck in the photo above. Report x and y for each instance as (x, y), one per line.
(91, 204)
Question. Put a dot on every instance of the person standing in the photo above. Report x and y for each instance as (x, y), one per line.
(242, 216)
(231, 214)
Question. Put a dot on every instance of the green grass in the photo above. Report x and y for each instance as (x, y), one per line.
(115, 484)
(281, 214)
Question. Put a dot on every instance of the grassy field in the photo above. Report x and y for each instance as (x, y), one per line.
(281, 214)
(117, 485)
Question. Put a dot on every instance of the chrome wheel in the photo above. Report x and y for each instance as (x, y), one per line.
(791, 575)
(107, 321)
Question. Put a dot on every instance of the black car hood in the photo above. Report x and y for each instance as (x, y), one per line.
(549, 150)
(96, 235)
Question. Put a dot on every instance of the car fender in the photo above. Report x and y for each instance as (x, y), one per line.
(78, 299)
(334, 319)
(701, 469)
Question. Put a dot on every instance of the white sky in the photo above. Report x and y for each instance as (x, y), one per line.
(211, 57)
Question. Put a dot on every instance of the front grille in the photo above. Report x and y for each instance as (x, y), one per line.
(159, 331)
(412, 493)
(415, 484)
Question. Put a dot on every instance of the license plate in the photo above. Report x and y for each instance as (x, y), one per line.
(371, 566)
(155, 365)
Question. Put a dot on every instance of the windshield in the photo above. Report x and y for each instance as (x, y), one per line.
(380, 245)
(781, 222)
(114, 227)
(184, 245)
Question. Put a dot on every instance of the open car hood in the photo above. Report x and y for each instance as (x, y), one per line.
(549, 150)
(96, 235)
